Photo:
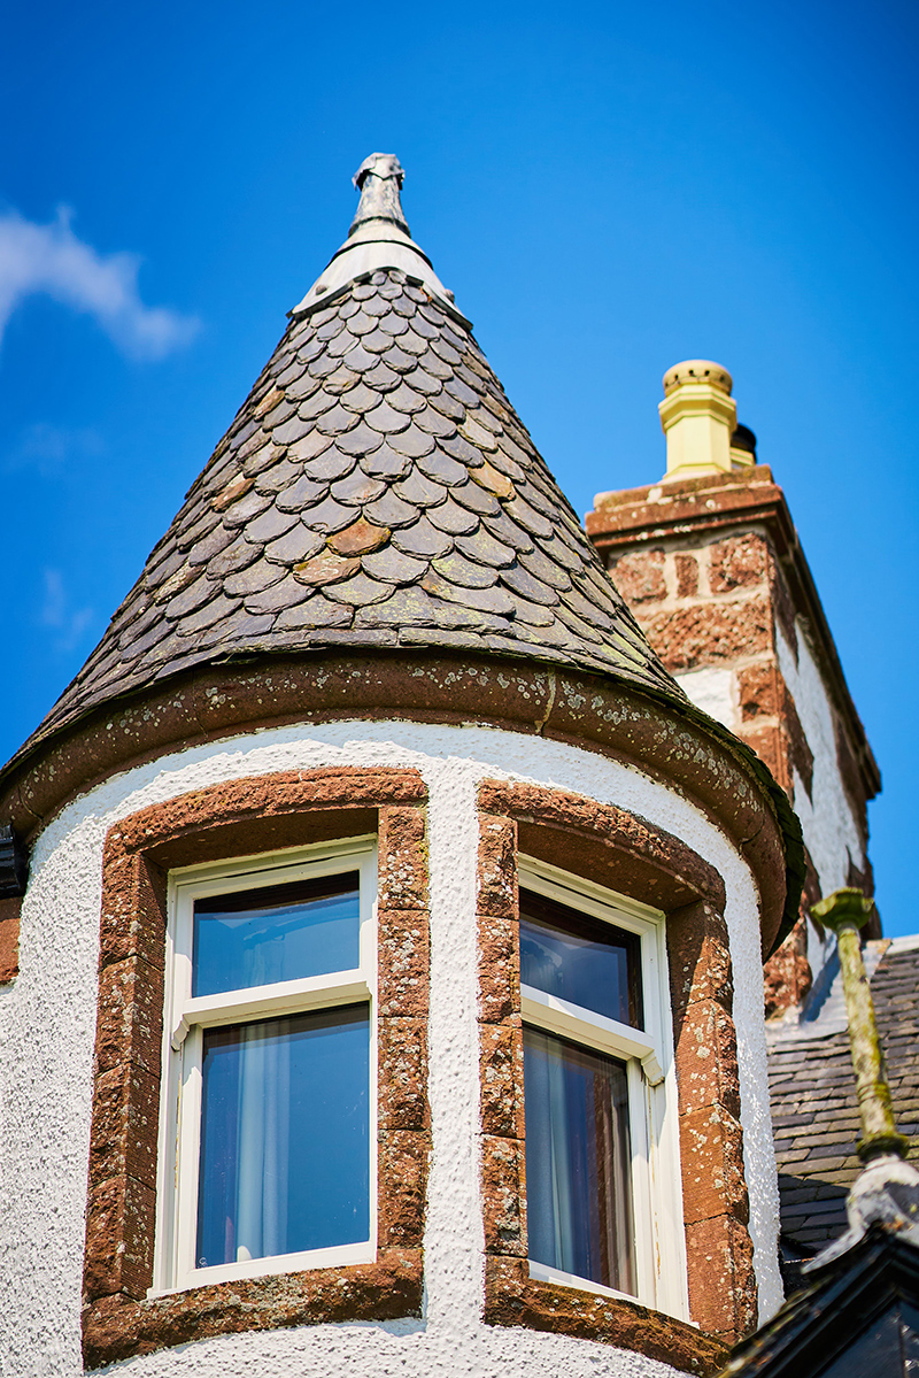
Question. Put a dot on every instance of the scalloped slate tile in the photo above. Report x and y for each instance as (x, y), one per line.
(458, 570)
(298, 544)
(392, 567)
(390, 510)
(360, 590)
(452, 518)
(422, 539)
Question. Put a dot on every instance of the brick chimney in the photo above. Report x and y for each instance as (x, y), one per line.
(709, 560)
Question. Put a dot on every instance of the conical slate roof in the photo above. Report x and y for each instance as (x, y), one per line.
(376, 489)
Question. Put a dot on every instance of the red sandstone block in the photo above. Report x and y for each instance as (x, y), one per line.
(119, 1239)
(722, 1284)
(773, 748)
(402, 1170)
(501, 1068)
(738, 562)
(502, 1196)
(499, 969)
(639, 576)
(710, 633)
(133, 907)
(403, 880)
(759, 691)
(402, 1092)
(125, 1124)
(787, 975)
(700, 960)
(9, 939)
(130, 1022)
(404, 962)
(711, 1149)
(706, 1059)
(497, 866)
(687, 575)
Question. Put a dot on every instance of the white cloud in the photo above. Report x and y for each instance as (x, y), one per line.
(48, 450)
(60, 617)
(51, 259)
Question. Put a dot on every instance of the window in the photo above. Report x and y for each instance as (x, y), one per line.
(599, 1143)
(267, 1145)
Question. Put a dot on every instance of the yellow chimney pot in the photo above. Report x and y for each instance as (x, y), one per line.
(698, 416)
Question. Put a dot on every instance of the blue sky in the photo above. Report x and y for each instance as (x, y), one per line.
(608, 188)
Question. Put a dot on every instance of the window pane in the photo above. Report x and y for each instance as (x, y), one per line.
(276, 933)
(580, 959)
(579, 1202)
(285, 1147)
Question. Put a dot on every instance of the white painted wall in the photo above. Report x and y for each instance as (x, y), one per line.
(47, 1025)
(827, 817)
(714, 690)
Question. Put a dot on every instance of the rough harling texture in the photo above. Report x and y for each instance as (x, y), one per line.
(376, 489)
(222, 821)
(715, 574)
(814, 1109)
(562, 828)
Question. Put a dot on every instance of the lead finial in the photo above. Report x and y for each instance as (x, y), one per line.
(379, 179)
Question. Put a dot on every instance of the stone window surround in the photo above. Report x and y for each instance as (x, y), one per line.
(246, 817)
(624, 853)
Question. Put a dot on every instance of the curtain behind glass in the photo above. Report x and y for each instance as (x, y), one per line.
(578, 1170)
(285, 1145)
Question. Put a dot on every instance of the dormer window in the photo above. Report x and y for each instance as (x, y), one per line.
(268, 1102)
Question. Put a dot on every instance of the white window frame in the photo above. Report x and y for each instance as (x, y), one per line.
(186, 1018)
(657, 1195)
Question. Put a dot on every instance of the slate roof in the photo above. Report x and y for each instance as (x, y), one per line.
(376, 489)
(812, 1088)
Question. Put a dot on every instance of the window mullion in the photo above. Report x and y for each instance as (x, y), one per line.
(188, 1149)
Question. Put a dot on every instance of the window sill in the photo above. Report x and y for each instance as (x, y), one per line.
(514, 1297)
(541, 1272)
(119, 1327)
(342, 1256)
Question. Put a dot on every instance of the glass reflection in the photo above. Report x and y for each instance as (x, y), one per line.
(276, 933)
(579, 959)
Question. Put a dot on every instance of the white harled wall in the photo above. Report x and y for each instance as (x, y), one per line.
(47, 1028)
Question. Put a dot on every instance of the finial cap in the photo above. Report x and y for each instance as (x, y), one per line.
(378, 238)
(379, 180)
(698, 371)
(847, 906)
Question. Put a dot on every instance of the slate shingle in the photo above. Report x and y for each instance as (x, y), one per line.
(815, 1111)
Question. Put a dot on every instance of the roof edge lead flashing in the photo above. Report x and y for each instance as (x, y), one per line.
(379, 238)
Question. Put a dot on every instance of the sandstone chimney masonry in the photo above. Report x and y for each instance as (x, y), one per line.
(710, 563)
